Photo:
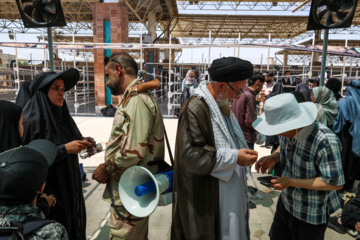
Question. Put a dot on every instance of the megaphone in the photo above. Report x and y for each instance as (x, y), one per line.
(141, 192)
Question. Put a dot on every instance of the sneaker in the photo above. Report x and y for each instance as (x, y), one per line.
(333, 224)
(351, 232)
(252, 190)
(255, 195)
(252, 205)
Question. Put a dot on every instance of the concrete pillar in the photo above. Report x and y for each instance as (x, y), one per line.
(115, 16)
(151, 55)
(166, 51)
(152, 25)
(286, 55)
(317, 41)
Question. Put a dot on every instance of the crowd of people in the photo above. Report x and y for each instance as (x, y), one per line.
(313, 130)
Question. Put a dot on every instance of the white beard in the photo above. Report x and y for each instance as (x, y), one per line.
(225, 107)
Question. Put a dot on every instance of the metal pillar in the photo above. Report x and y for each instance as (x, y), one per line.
(324, 54)
(344, 59)
(268, 58)
(51, 49)
(17, 80)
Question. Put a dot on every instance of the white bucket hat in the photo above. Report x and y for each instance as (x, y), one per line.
(283, 113)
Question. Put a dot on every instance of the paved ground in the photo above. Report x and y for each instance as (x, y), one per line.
(160, 221)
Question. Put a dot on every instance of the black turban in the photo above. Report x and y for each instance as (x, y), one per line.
(230, 69)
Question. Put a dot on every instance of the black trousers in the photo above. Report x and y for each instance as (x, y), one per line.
(287, 227)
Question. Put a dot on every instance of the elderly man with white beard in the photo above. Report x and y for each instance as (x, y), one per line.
(210, 200)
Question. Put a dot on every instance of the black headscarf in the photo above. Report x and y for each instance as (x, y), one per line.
(277, 89)
(24, 94)
(334, 85)
(304, 90)
(44, 120)
(299, 97)
(10, 115)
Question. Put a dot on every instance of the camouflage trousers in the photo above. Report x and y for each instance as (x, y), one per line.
(122, 229)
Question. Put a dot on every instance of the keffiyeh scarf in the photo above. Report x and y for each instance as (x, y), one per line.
(221, 131)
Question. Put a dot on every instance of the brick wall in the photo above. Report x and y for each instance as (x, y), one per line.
(118, 16)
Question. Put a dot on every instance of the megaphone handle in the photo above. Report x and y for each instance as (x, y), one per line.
(108, 186)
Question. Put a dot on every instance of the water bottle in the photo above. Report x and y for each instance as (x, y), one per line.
(99, 147)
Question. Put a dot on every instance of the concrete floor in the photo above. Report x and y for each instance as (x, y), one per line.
(160, 221)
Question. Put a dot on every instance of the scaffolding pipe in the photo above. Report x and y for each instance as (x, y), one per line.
(344, 59)
(239, 43)
(141, 49)
(312, 57)
(45, 63)
(268, 58)
(209, 48)
(74, 51)
(17, 80)
(169, 72)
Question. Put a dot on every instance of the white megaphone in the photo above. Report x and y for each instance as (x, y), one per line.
(141, 192)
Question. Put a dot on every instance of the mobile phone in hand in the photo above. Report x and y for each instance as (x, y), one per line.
(266, 181)
(268, 185)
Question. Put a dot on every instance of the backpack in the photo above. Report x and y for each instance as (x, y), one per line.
(351, 211)
(19, 230)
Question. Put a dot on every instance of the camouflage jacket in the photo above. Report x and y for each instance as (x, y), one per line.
(54, 231)
(137, 136)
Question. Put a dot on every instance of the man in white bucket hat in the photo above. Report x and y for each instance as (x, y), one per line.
(311, 164)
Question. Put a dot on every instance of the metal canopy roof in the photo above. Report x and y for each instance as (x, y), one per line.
(81, 11)
(226, 26)
(332, 42)
(78, 14)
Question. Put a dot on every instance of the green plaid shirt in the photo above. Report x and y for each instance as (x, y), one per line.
(316, 153)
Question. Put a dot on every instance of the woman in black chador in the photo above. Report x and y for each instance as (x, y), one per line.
(10, 125)
(46, 116)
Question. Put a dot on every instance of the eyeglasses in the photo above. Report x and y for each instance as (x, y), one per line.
(107, 60)
(236, 92)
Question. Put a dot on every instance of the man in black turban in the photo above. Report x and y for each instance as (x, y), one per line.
(230, 69)
(210, 154)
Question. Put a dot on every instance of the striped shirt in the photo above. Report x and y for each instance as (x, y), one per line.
(313, 152)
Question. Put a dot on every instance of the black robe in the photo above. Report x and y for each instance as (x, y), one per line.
(44, 120)
(195, 191)
(24, 94)
(350, 163)
(10, 115)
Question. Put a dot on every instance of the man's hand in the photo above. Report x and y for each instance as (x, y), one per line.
(281, 183)
(246, 157)
(101, 175)
(50, 199)
(357, 226)
(267, 162)
(77, 146)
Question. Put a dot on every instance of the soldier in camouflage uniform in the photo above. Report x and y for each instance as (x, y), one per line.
(137, 137)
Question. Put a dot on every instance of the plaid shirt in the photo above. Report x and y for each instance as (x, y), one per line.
(316, 153)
